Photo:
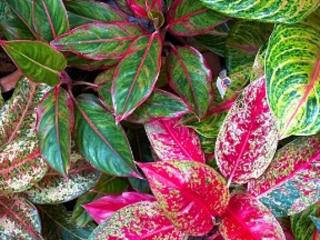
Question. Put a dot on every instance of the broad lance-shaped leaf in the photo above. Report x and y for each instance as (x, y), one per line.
(190, 194)
(98, 40)
(49, 18)
(106, 185)
(190, 78)
(292, 68)
(103, 208)
(145, 8)
(143, 220)
(21, 165)
(291, 11)
(172, 141)
(247, 218)
(100, 140)
(291, 183)
(248, 137)
(190, 18)
(55, 117)
(57, 224)
(302, 226)
(19, 219)
(89, 64)
(37, 60)
(89, 11)
(136, 75)
(55, 188)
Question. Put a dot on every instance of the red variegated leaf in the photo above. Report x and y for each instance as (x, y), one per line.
(291, 183)
(191, 194)
(103, 208)
(142, 8)
(140, 221)
(173, 141)
(248, 137)
(248, 219)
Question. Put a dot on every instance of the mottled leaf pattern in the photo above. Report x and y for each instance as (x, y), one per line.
(191, 194)
(37, 60)
(292, 68)
(55, 116)
(190, 78)
(248, 137)
(172, 141)
(89, 64)
(19, 219)
(49, 18)
(100, 140)
(247, 218)
(97, 40)
(190, 18)
(54, 188)
(136, 75)
(291, 11)
(291, 183)
(142, 220)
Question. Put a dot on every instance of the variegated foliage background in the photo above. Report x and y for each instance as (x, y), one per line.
(160, 119)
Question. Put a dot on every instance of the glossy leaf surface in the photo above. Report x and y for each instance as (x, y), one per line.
(190, 18)
(190, 78)
(172, 141)
(291, 183)
(98, 40)
(292, 68)
(49, 18)
(248, 137)
(37, 60)
(142, 220)
(136, 74)
(54, 188)
(19, 219)
(103, 208)
(292, 11)
(247, 218)
(55, 116)
(191, 194)
(100, 140)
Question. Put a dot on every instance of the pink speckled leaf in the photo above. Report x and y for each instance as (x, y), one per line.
(103, 208)
(291, 183)
(248, 137)
(248, 219)
(172, 141)
(190, 193)
(139, 221)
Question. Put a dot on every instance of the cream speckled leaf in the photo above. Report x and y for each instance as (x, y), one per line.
(19, 219)
(55, 188)
(292, 68)
(290, 11)
(19, 150)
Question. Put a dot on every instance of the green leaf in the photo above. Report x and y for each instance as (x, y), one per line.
(55, 114)
(20, 160)
(49, 18)
(104, 79)
(292, 68)
(54, 188)
(58, 224)
(19, 219)
(37, 60)
(190, 78)
(98, 41)
(302, 225)
(136, 75)
(190, 18)
(88, 64)
(106, 185)
(100, 140)
(213, 43)
(291, 11)
(89, 11)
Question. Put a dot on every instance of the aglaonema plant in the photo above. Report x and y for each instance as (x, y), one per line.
(154, 119)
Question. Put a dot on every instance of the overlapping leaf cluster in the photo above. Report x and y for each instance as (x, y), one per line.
(160, 119)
